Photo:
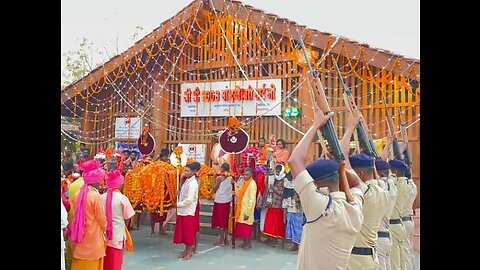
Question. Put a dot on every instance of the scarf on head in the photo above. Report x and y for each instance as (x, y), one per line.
(243, 188)
(281, 175)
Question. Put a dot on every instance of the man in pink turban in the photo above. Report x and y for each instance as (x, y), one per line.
(89, 224)
(73, 188)
(118, 209)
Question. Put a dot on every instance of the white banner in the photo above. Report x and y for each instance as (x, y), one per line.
(127, 127)
(231, 98)
(195, 151)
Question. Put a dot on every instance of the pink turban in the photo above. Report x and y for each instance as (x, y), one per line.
(114, 180)
(93, 176)
(89, 165)
(90, 177)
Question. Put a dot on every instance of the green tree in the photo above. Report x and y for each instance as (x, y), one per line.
(79, 63)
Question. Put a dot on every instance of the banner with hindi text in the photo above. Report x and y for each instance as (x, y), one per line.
(228, 98)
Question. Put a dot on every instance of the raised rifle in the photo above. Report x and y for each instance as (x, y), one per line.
(392, 132)
(328, 131)
(403, 130)
(366, 143)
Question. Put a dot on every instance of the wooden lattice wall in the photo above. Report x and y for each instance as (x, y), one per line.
(154, 85)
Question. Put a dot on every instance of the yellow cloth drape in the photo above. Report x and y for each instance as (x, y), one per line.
(240, 198)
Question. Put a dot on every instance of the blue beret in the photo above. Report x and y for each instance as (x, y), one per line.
(398, 164)
(382, 165)
(322, 168)
(361, 161)
(408, 174)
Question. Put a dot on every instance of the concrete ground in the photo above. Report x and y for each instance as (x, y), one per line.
(159, 252)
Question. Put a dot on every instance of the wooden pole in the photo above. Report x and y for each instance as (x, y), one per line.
(234, 177)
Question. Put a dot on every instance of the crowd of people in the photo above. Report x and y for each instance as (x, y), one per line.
(351, 215)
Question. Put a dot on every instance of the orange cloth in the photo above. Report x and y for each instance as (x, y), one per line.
(243, 188)
(263, 152)
(128, 240)
(94, 242)
(281, 155)
(78, 264)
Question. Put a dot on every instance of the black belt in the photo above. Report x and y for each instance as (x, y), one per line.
(407, 218)
(395, 221)
(383, 234)
(362, 251)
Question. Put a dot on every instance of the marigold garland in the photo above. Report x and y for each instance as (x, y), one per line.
(152, 187)
(153, 181)
(132, 187)
(178, 151)
(206, 174)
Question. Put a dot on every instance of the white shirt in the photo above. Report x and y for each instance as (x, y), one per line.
(224, 191)
(187, 201)
(327, 242)
(64, 223)
(121, 209)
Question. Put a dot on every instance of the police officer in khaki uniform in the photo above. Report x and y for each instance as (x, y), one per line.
(384, 244)
(333, 210)
(397, 230)
(408, 223)
(364, 255)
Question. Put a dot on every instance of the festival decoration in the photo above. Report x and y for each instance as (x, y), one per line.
(251, 151)
(205, 174)
(151, 187)
(268, 45)
(132, 187)
(146, 142)
(234, 140)
(178, 159)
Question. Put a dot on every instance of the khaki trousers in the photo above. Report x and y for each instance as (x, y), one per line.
(408, 252)
(384, 245)
(363, 262)
(397, 235)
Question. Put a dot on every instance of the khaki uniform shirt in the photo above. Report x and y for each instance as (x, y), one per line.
(327, 242)
(391, 188)
(376, 201)
(412, 195)
(402, 197)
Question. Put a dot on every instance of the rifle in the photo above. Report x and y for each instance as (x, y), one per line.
(392, 132)
(403, 130)
(327, 130)
(366, 143)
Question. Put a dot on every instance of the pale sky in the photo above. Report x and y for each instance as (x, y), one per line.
(386, 24)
